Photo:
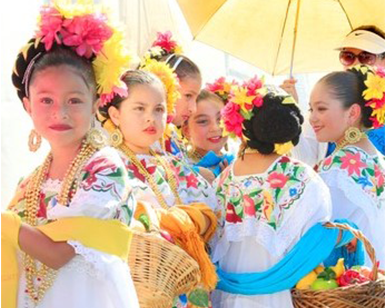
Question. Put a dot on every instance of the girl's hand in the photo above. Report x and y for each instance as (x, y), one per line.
(352, 246)
(289, 86)
(224, 164)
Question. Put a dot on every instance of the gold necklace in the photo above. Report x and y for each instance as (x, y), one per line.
(194, 155)
(46, 276)
(350, 141)
(150, 180)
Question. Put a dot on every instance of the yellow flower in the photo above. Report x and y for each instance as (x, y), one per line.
(69, 10)
(241, 98)
(111, 63)
(283, 148)
(289, 100)
(168, 78)
(379, 114)
(375, 87)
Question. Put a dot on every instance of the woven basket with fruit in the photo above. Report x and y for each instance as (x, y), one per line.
(338, 287)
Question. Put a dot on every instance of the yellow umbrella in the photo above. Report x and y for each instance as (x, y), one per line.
(280, 35)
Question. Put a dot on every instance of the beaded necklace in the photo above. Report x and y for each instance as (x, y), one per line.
(150, 180)
(46, 276)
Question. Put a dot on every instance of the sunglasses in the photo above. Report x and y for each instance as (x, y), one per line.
(347, 58)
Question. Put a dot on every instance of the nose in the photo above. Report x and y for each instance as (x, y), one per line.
(192, 106)
(312, 118)
(60, 111)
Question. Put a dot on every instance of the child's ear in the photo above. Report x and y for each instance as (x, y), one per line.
(355, 113)
(27, 105)
(114, 115)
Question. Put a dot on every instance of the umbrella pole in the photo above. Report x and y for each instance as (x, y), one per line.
(294, 38)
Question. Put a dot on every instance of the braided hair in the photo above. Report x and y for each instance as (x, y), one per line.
(34, 58)
(273, 122)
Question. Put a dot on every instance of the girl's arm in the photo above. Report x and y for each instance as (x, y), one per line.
(40, 247)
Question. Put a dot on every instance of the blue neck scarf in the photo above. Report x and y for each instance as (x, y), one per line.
(212, 161)
(311, 250)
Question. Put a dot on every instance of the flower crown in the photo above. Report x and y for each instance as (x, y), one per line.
(374, 94)
(222, 88)
(239, 108)
(88, 33)
(170, 81)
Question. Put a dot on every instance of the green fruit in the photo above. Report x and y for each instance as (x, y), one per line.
(321, 284)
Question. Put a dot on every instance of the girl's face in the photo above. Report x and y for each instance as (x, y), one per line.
(61, 105)
(327, 116)
(203, 128)
(186, 105)
(141, 116)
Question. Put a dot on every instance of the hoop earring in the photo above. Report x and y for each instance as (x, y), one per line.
(34, 141)
(96, 138)
(116, 138)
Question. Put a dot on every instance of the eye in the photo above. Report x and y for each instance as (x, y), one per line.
(75, 101)
(202, 122)
(188, 96)
(139, 108)
(160, 109)
(46, 100)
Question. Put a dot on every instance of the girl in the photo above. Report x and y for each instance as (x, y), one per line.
(343, 106)
(136, 122)
(205, 134)
(267, 200)
(55, 79)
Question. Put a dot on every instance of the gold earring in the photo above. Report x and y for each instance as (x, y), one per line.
(34, 141)
(96, 138)
(353, 135)
(116, 138)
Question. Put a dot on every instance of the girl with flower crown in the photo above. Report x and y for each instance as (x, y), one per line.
(343, 106)
(135, 123)
(61, 263)
(267, 199)
(203, 129)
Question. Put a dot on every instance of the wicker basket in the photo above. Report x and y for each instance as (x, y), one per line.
(160, 270)
(369, 294)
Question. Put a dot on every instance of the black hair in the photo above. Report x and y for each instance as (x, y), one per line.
(131, 78)
(272, 123)
(347, 87)
(36, 59)
(375, 30)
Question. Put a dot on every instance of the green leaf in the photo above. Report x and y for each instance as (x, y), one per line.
(199, 297)
(145, 221)
(370, 171)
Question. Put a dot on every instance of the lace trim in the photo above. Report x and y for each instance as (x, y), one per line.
(52, 185)
(88, 261)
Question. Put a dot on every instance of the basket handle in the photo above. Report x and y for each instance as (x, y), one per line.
(360, 236)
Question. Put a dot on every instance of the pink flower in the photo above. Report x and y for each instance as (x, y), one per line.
(165, 42)
(232, 119)
(192, 181)
(170, 118)
(258, 101)
(97, 166)
(277, 180)
(107, 97)
(379, 176)
(249, 205)
(328, 161)
(51, 25)
(380, 72)
(86, 33)
(353, 163)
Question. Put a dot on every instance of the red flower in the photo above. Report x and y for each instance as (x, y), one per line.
(277, 180)
(284, 159)
(232, 119)
(51, 24)
(138, 174)
(192, 181)
(42, 212)
(328, 161)
(165, 42)
(231, 216)
(353, 163)
(97, 166)
(86, 33)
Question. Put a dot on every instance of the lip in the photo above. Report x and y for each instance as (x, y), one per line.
(317, 128)
(150, 130)
(60, 127)
(185, 118)
(216, 139)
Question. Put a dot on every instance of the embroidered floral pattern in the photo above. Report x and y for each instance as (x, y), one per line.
(364, 170)
(266, 197)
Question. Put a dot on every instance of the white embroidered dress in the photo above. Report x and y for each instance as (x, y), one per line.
(357, 185)
(262, 217)
(92, 278)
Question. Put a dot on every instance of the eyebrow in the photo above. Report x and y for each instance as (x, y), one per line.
(318, 103)
(201, 116)
(50, 92)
